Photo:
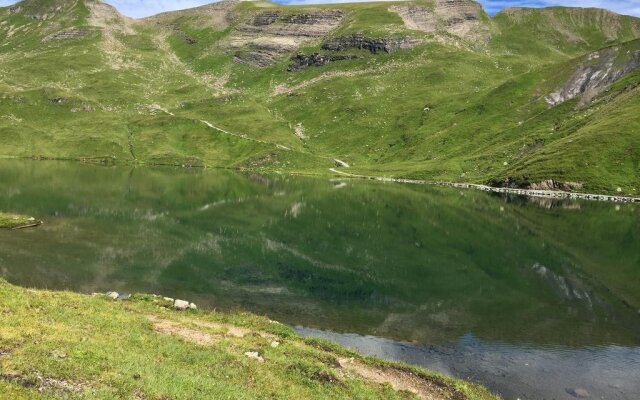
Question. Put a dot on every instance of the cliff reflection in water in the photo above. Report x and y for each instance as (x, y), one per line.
(406, 262)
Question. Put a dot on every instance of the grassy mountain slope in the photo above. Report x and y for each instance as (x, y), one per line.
(429, 89)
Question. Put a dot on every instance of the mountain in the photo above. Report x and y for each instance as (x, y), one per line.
(424, 89)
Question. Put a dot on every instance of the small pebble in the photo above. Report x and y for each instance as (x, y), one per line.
(275, 344)
(59, 354)
(254, 355)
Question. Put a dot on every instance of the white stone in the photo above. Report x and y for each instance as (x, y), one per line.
(193, 306)
(113, 295)
(181, 305)
(275, 344)
(254, 355)
(168, 299)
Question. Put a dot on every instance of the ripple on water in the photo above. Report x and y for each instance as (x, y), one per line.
(514, 371)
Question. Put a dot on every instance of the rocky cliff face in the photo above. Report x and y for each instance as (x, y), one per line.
(265, 18)
(269, 34)
(462, 18)
(598, 72)
(301, 61)
(373, 45)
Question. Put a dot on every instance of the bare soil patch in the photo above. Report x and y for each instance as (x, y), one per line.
(42, 383)
(402, 380)
(167, 327)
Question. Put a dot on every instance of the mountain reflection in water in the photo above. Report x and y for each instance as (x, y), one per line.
(411, 263)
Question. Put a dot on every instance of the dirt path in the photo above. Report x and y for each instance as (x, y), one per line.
(194, 335)
(166, 327)
(284, 89)
(245, 137)
(215, 83)
(400, 380)
(239, 135)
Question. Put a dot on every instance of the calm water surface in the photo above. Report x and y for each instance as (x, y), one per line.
(531, 298)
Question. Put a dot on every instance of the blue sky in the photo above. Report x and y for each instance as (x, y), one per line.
(141, 8)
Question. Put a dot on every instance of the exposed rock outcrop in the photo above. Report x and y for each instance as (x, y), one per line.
(265, 18)
(374, 45)
(108, 19)
(462, 18)
(301, 61)
(66, 35)
(550, 184)
(598, 72)
(524, 183)
(270, 34)
(113, 27)
(257, 58)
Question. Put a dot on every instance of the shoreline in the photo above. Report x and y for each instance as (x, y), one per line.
(547, 194)
(147, 346)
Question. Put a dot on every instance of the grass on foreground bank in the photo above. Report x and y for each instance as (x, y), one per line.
(73, 346)
(14, 221)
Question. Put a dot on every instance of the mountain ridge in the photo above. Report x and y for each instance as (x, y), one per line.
(256, 85)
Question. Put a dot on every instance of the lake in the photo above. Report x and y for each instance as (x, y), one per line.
(532, 298)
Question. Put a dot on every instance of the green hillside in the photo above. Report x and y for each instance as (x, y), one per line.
(427, 89)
